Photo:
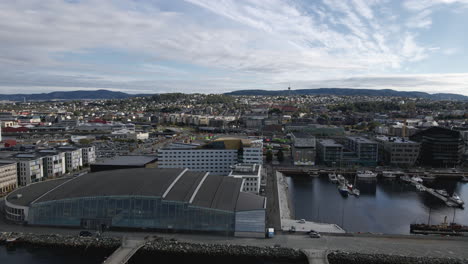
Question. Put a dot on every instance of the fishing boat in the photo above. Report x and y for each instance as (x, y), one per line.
(366, 174)
(332, 177)
(343, 190)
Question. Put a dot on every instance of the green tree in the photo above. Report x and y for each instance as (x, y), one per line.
(269, 156)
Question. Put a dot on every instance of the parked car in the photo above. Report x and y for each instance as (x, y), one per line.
(292, 229)
(85, 233)
(302, 221)
(314, 235)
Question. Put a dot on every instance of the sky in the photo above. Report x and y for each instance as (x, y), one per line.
(216, 46)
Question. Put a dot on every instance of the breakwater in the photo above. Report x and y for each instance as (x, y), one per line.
(156, 247)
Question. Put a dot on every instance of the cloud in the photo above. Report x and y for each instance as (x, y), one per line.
(203, 45)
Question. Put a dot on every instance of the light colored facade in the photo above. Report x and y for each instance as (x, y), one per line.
(215, 161)
(251, 175)
(53, 163)
(253, 154)
(88, 154)
(29, 169)
(399, 151)
(73, 158)
(8, 176)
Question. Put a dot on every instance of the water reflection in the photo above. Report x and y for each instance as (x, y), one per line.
(385, 206)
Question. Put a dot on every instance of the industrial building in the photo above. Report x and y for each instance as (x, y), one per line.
(157, 199)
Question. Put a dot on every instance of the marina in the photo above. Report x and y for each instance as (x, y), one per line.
(384, 205)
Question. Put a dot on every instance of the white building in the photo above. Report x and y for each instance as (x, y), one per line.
(253, 153)
(73, 158)
(216, 157)
(29, 168)
(8, 176)
(88, 154)
(251, 175)
(53, 163)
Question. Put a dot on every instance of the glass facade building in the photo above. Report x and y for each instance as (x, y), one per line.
(130, 212)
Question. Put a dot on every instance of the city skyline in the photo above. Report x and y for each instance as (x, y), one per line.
(221, 46)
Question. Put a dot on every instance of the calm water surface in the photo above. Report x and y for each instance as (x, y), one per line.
(385, 206)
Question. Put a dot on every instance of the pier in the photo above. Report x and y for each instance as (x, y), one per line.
(128, 248)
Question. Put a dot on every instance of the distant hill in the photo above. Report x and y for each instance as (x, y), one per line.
(351, 91)
(72, 95)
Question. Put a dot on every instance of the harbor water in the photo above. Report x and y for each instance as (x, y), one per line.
(384, 206)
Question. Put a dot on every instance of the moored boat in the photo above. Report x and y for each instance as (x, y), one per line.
(366, 174)
(455, 198)
(332, 177)
(442, 192)
(343, 190)
(388, 174)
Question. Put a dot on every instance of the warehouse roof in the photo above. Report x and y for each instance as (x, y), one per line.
(199, 188)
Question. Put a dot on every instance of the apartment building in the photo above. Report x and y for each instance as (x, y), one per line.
(366, 150)
(329, 152)
(88, 154)
(8, 176)
(73, 158)
(29, 168)
(53, 163)
(398, 151)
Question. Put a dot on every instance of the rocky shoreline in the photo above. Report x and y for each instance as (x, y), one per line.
(155, 245)
(340, 257)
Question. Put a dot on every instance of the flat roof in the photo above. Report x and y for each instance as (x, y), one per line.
(329, 143)
(127, 160)
(395, 139)
(361, 139)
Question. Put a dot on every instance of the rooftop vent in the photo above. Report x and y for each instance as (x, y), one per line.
(19, 195)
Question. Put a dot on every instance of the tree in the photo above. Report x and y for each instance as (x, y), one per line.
(280, 155)
(269, 156)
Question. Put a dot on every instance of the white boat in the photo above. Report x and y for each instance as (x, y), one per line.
(457, 199)
(405, 178)
(442, 192)
(366, 174)
(464, 179)
(416, 179)
(340, 178)
(332, 177)
(388, 174)
(420, 187)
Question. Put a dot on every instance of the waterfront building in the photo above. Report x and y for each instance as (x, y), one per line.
(365, 150)
(251, 176)
(216, 157)
(303, 149)
(8, 176)
(398, 151)
(329, 152)
(440, 147)
(158, 199)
